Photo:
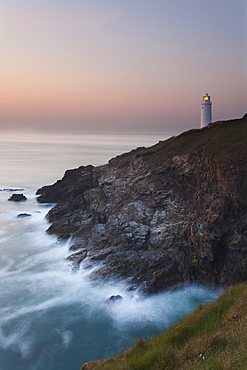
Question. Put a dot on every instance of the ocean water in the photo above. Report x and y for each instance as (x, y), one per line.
(52, 317)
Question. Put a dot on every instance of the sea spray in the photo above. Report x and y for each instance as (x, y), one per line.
(52, 316)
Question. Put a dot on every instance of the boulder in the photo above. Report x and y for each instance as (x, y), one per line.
(23, 215)
(17, 198)
(115, 298)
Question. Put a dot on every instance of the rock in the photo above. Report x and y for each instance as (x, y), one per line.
(23, 215)
(114, 298)
(161, 216)
(76, 246)
(17, 198)
(82, 179)
(77, 258)
(10, 189)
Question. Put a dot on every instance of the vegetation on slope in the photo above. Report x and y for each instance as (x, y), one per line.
(214, 139)
(213, 337)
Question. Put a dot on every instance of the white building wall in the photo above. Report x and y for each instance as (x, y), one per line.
(206, 111)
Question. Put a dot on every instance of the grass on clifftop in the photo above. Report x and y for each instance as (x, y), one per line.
(213, 337)
(229, 136)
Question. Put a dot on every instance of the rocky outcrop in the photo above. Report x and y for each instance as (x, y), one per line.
(23, 215)
(163, 215)
(17, 198)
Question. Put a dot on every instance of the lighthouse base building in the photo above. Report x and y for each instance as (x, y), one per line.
(206, 111)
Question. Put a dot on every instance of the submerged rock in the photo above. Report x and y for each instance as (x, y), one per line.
(163, 215)
(77, 258)
(114, 298)
(17, 198)
(23, 215)
(10, 189)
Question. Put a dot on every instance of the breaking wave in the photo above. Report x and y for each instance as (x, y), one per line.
(52, 317)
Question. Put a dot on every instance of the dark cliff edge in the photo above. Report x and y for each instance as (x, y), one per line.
(161, 216)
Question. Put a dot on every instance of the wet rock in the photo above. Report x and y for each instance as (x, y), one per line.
(76, 246)
(77, 258)
(23, 215)
(10, 189)
(17, 198)
(115, 298)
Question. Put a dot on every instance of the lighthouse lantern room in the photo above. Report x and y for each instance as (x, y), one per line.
(206, 111)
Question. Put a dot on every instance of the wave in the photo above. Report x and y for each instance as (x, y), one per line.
(52, 316)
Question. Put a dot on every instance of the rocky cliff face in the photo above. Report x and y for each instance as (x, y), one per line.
(163, 215)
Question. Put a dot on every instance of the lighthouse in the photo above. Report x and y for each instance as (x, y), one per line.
(206, 111)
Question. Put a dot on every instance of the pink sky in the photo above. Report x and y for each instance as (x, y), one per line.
(120, 66)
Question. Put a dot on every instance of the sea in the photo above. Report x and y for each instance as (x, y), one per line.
(51, 316)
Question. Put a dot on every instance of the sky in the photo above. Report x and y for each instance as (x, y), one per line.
(130, 66)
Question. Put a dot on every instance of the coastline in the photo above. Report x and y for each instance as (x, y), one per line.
(160, 216)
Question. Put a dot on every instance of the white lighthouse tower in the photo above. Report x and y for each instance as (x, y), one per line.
(206, 111)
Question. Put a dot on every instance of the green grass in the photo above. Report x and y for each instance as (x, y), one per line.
(213, 337)
(228, 137)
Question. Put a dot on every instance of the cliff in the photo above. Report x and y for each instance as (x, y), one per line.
(163, 215)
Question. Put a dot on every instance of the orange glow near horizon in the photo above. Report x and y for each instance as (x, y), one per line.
(135, 63)
(83, 101)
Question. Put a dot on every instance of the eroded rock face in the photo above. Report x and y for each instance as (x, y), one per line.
(163, 215)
